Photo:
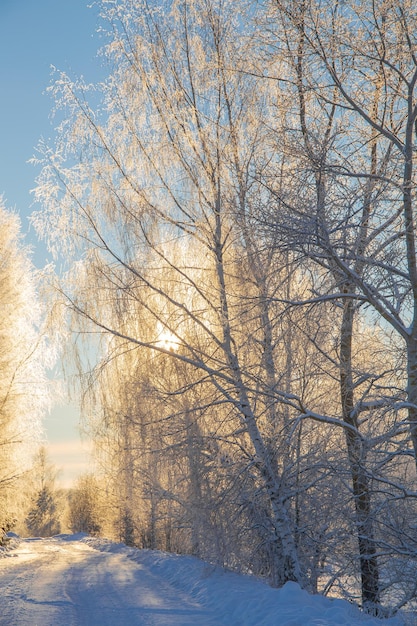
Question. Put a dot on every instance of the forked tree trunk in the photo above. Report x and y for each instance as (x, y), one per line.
(287, 566)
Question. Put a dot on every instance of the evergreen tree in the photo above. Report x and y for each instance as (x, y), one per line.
(42, 518)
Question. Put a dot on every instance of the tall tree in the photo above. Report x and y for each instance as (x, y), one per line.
(161, 204)
(352, 72)
(24, 353)
(217, 369)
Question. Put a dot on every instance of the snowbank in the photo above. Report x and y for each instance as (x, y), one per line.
(11, 541)
(242, 600)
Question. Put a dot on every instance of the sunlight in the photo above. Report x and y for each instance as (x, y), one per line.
(166, 339)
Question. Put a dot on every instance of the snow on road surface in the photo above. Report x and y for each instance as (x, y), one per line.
(53, 582)
(72, 580)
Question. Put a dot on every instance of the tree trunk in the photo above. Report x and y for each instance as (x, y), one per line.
(412, 390)
(287, 568)
(360, 481)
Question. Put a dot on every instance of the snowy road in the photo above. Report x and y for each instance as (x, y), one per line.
(56, 582)
(75, 580)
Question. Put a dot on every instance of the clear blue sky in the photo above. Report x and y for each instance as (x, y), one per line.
(35, 35)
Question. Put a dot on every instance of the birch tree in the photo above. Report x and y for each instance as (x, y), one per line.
(172, 158)
(351, 70)
(226, 250)
(369, 50)
(24, 393)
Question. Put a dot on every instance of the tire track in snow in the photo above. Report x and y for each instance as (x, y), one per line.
(55, 582)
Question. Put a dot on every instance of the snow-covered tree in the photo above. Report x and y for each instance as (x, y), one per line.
(24, 355)
(236, 217)
(171, 163)
(84, 506)
(351, 79)
(43, 517)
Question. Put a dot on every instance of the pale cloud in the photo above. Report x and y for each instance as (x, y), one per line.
(71, 458)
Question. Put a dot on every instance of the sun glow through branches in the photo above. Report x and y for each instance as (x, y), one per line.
(166, 339)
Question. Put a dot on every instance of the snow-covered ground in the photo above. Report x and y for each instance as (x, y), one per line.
(73, 580)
